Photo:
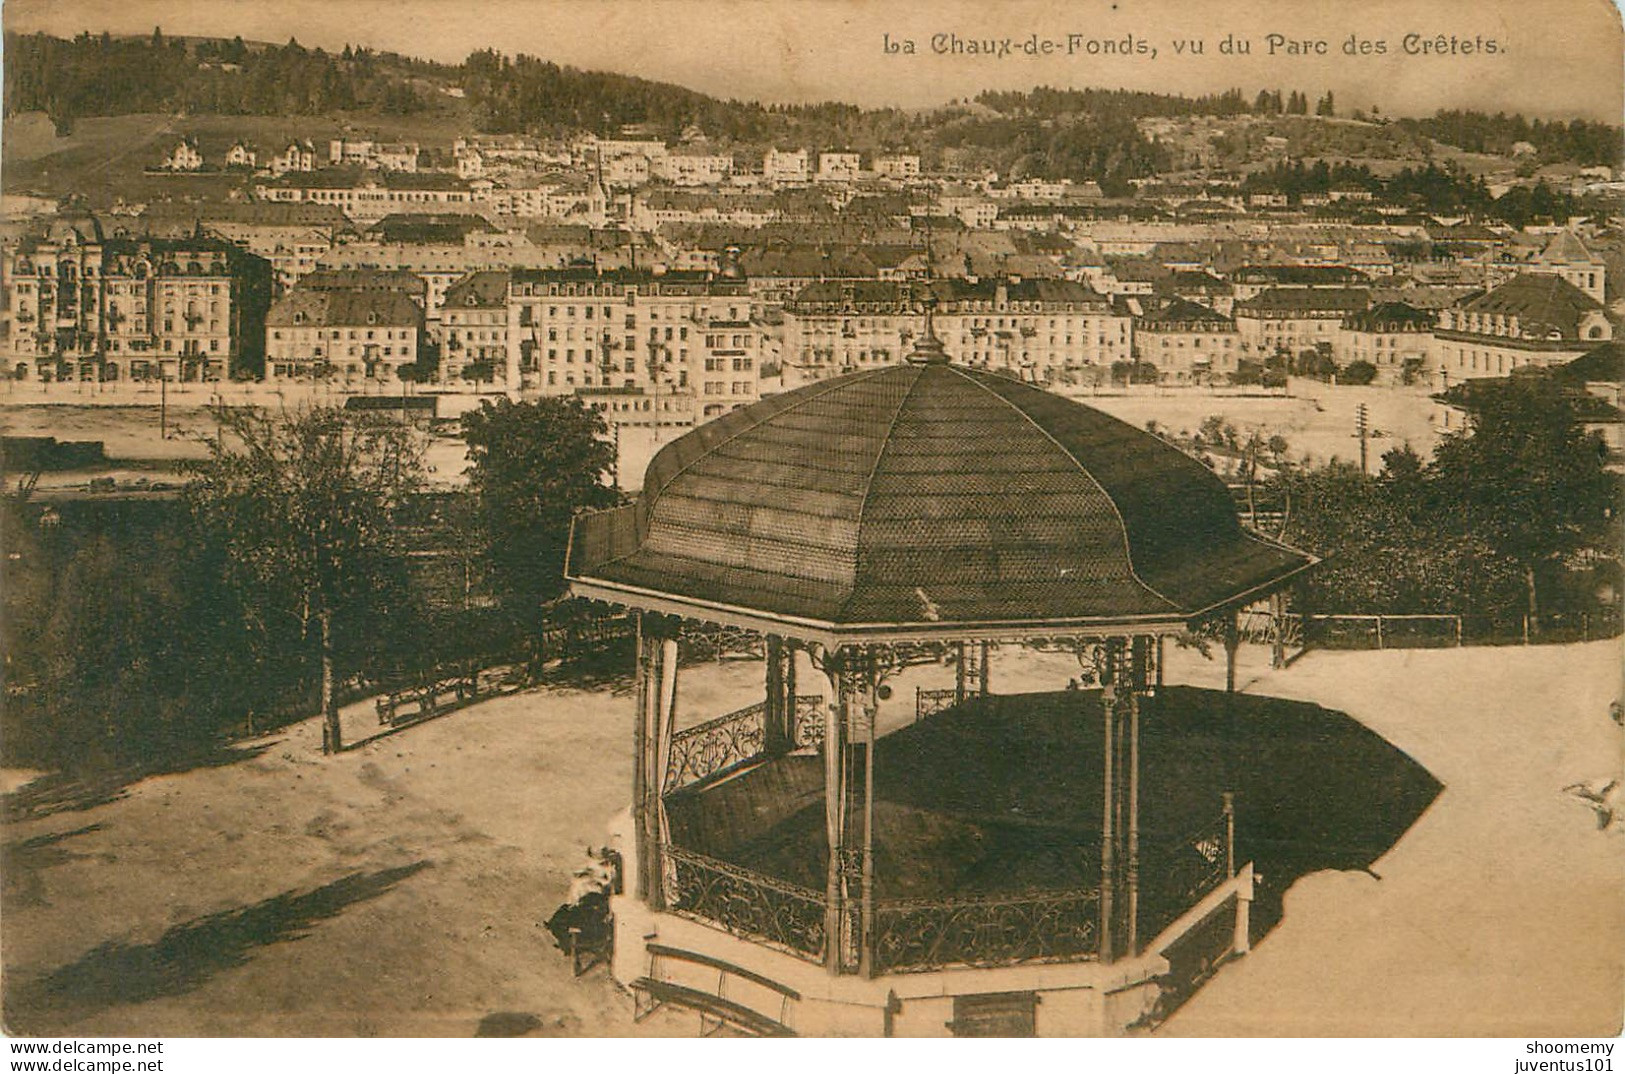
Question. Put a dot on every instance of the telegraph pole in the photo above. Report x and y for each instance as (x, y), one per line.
(1362, 425)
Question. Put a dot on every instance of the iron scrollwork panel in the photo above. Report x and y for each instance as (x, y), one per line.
(748, 904)
(921, 935)
(703, 751)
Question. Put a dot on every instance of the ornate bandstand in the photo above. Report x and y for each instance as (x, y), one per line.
(852, 859)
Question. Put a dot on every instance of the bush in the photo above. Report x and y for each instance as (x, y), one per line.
(1358, 373)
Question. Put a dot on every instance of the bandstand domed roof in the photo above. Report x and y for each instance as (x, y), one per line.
(920, 499)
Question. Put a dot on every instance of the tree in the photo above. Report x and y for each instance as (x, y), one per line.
(1524, 477)
(1358, 372)
(532, 467)
(301, 506)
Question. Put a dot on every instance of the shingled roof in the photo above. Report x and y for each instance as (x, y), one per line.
(923, 499)
(1541, 302)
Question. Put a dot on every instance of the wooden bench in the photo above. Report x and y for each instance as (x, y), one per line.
(715, 1008)
(429, 696)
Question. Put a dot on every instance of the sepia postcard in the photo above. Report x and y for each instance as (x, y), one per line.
(831, 518)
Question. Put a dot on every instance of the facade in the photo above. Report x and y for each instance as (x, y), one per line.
(1295, 319)
(352, 336)
(1251, 280)
(370, 199)
(241, 155)
(1037, 329)
(787, 167)
(690, 167)
(78, 307)
(1188, 343)
(185, 157)
(1534, 319)
(473, 327)
(1568, 257)
(1395, 337)
(840, 167)
(668, 346)
(296, 156)
(900, 167)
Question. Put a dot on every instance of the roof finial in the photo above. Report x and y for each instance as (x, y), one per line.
(928, 349)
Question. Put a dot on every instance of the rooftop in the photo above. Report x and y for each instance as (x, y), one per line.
(920, 499)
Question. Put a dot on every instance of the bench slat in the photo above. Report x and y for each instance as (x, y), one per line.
(657, 950)
(726, 1010)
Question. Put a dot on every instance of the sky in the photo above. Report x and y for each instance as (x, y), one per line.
(1552, 57)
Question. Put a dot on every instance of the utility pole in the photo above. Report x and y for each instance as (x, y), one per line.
(163, 404)
(1362, 425)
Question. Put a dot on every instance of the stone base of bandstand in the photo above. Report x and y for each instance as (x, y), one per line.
(1074, 999)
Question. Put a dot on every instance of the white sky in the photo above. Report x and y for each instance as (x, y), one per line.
(1563, 57)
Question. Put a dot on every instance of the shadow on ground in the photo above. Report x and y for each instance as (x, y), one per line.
(76, 791)
(185, 957)
(22, 861)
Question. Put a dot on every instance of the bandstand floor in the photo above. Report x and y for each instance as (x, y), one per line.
(1005, 796)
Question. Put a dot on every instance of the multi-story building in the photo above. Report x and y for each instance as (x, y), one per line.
(660, 347)
(840, 167)
(690, 166)
(1534, 319)
(1188, 342)
(78, 306)
(898, 166)
(1396, 337)
(373, 197)
(352, 336)
(241, 155)
(1040, 329)
(1291, 320)
(1251, 280)
(296, 156)
(1567, 256)
(185, 157)
(474, 328)
(786, 167)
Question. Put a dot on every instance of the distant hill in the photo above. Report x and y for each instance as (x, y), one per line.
(1088, 134)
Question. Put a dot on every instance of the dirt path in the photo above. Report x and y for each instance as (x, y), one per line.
(399, 889)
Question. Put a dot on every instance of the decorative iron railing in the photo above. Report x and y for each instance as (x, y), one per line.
(748, 904)
(931, 702)
(1190, 867)
(809, 729)
(703, 751)
(1051, 926)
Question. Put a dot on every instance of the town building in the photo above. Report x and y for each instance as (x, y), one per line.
(786, 167)
(296, 156)
(840, 167)
(78, 306)
(474, 328)
(348, 335)
(1534, 319)
(241, 155)
(1250, 280)
(899, 166)
(1291, 320)
(185, 157)
(1188, 343)
(666, 347)
(368, 198)
(1040, 330)
(1567, 256)
(1394, 337)
(693, 166)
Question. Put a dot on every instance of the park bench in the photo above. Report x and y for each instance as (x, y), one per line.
(425, 698)
(715, 1008)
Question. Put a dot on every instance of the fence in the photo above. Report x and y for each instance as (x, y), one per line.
(1354, 631)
